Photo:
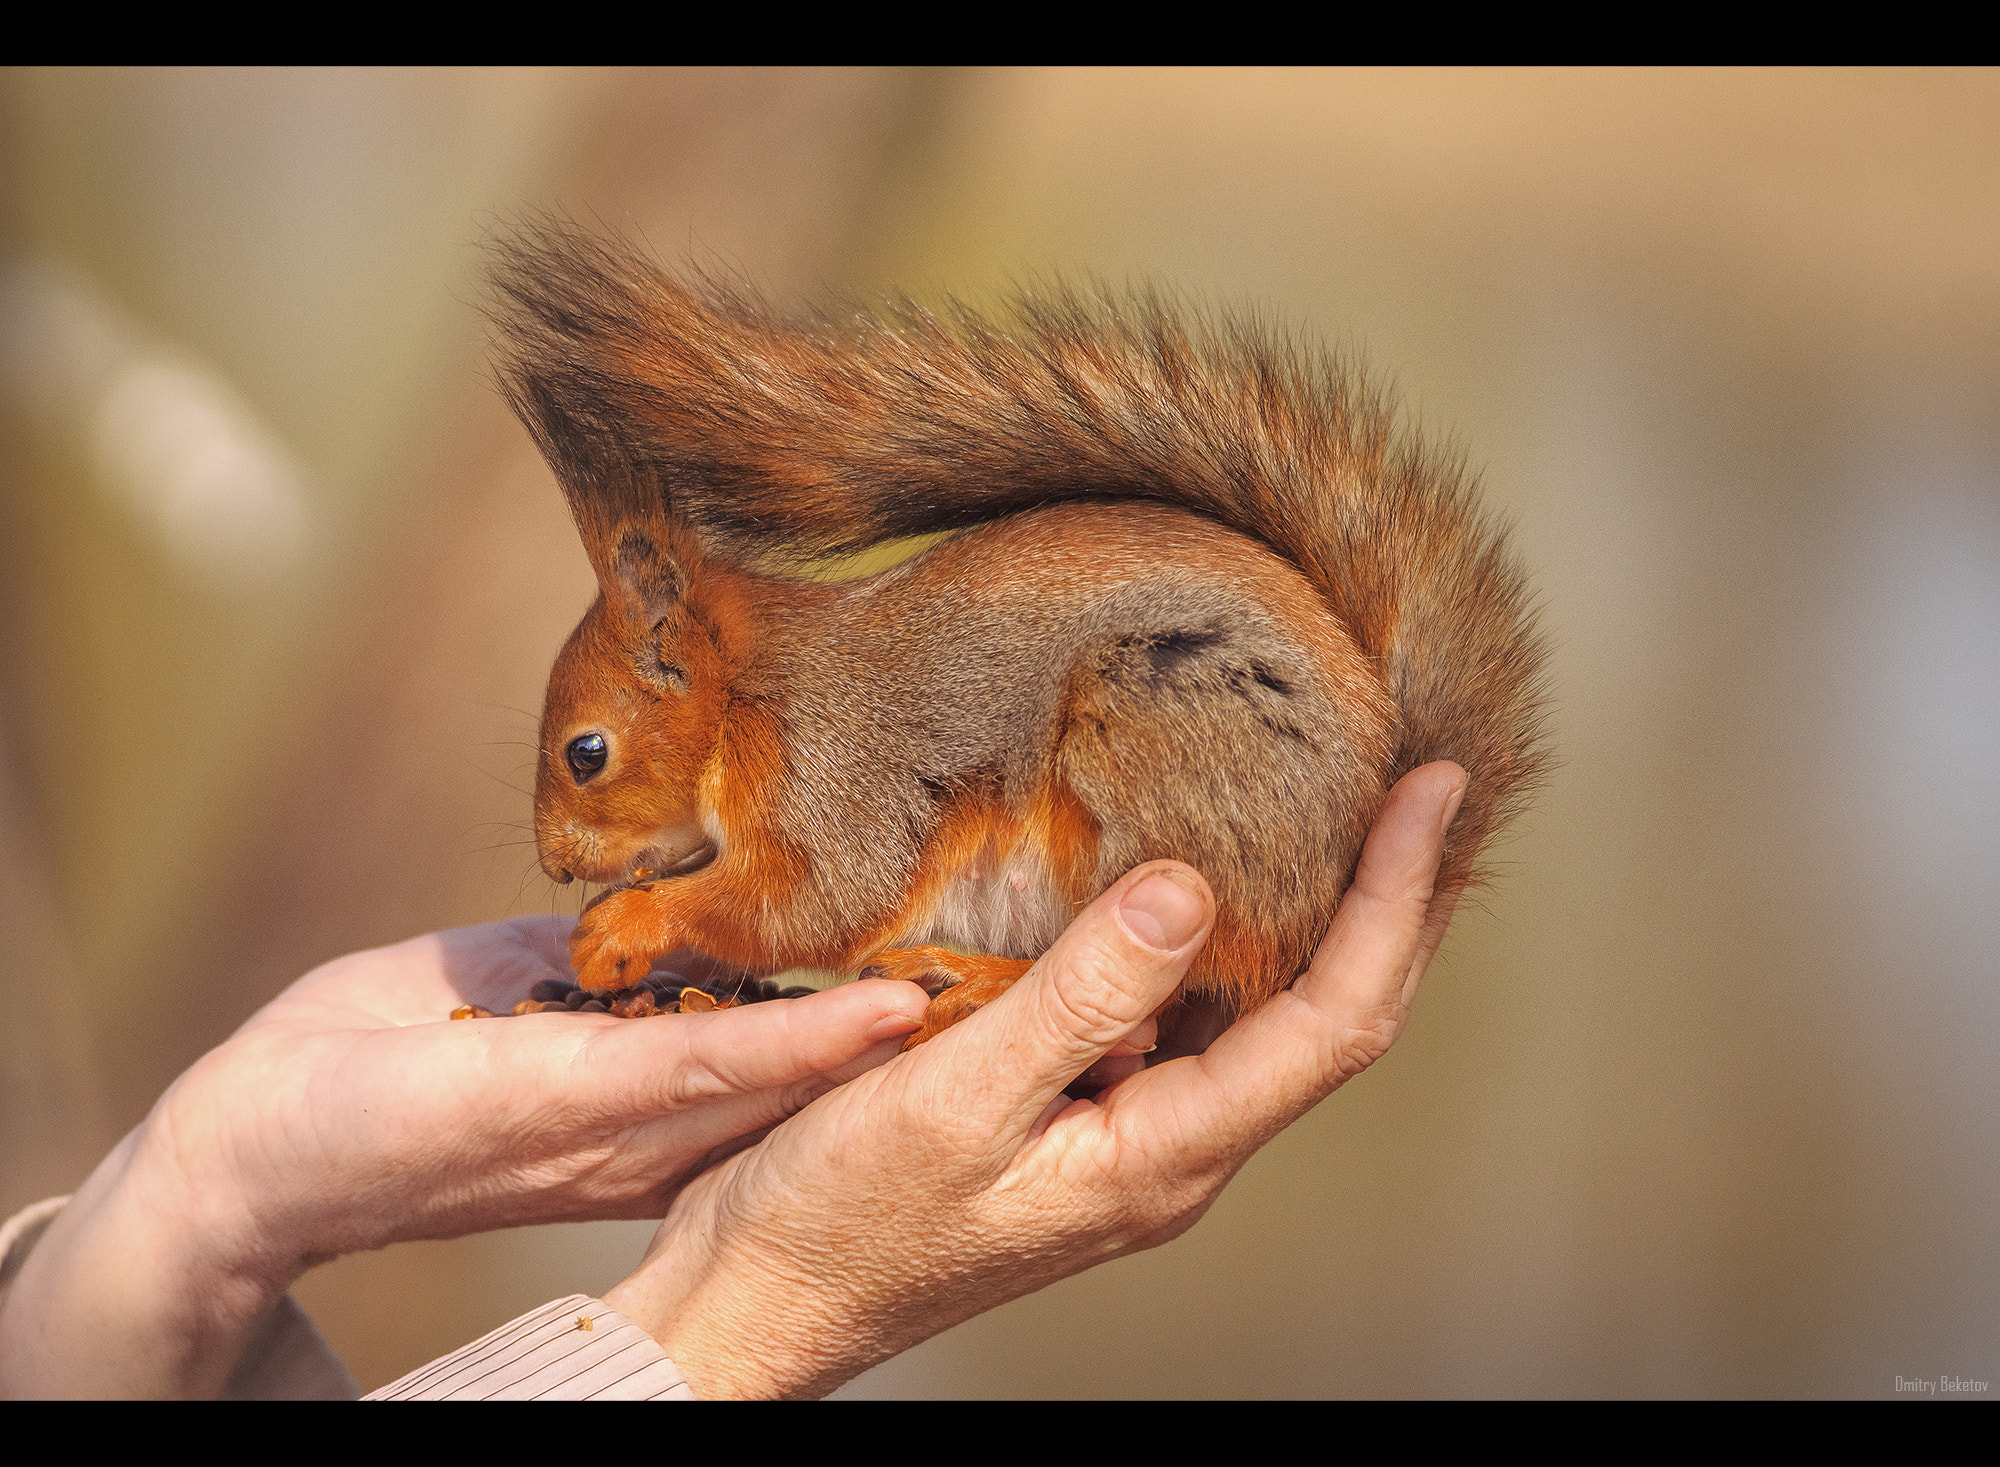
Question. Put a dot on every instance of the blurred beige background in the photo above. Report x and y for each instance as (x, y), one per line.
(1703, 1102)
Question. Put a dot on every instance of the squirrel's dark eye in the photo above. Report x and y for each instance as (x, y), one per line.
(586, 755)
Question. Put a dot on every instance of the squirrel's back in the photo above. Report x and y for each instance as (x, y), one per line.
(1030, 709)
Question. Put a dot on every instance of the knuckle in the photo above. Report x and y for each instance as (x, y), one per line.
(1155, 1214)
(1096, 996)
(1148, 1195)
(1358, 1046)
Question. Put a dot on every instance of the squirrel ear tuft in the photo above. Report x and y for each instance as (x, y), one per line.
(650, 567)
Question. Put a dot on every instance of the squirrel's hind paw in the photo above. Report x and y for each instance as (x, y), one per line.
(959, 984)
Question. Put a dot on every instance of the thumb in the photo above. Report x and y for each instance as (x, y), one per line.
(1115, 964)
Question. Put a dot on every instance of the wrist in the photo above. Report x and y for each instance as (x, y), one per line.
(141, 1288)
(737, 1329)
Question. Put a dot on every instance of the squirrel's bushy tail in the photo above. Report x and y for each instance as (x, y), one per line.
(811, 438)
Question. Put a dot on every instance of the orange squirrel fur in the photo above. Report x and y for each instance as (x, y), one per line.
(1203, 605)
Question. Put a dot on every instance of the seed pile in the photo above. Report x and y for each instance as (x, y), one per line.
(659, 993)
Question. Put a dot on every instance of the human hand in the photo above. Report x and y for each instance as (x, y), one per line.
(959, 1177)
(349, 1113)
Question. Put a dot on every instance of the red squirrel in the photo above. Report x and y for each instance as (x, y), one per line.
(1202, 604)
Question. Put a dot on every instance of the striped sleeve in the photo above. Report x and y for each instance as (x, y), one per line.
(576, 1349)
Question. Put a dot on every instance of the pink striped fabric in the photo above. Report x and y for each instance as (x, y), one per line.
(575, 1349)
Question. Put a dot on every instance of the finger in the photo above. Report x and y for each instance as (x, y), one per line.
(1366, 959)
(689, 1059)
(421, 980)
(1190, 1028)
(1107, 1072)
(1113, 967)
(496, 963)
(724, 1126)
(1436, 921)
(1277, 1063)
(1143, 1040)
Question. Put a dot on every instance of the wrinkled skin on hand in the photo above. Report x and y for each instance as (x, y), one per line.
(960, 1176)
(350, 1113)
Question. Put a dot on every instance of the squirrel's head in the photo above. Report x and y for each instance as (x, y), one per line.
(634, 706)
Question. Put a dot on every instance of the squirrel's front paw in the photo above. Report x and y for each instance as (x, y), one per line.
(614, 944)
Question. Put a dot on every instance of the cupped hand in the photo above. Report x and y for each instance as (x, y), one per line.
(545, 1118)
(959, 1176)
(351, 1112)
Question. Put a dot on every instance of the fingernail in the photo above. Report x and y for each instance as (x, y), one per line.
(1451, 807)
(894, 1026)
(1164, 912)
